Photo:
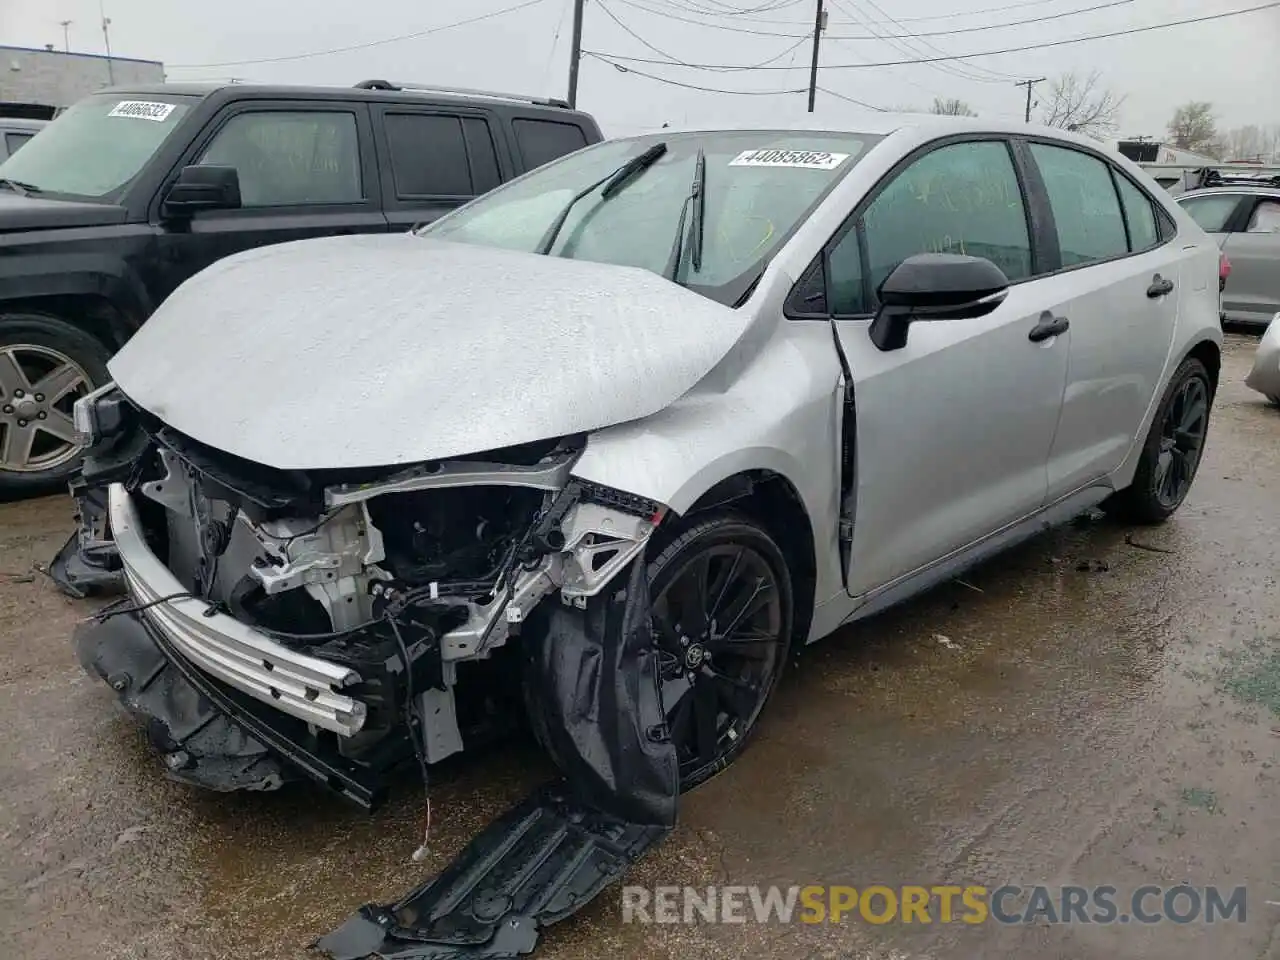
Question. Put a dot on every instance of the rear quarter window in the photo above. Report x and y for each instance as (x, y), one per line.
(542, 141)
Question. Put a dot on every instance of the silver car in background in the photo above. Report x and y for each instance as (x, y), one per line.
(1244, 220)
(759, 382)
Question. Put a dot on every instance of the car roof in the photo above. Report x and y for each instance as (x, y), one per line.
(884, 123)
(1230, 188)
(408, 94)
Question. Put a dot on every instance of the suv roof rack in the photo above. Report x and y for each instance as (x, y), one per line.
(461, 92)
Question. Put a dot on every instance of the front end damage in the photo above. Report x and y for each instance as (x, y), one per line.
(335, 625)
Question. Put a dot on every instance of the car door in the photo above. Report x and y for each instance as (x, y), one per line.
(434, 160)
(1252, 293)
(306, 169)
(1117, 283)
(954, 429)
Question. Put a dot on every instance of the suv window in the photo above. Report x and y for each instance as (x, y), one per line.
(1212, 211)
(1266, 217)
(962, 198)
(12, 141)
(542, 141)
(291, 157)
(1085, 206)
(1140, 214)
(428, 155)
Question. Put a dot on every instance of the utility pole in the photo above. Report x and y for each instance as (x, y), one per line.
(66, 37)
(106, 39)
(575, 53)
(819, 21)
(1029, 84)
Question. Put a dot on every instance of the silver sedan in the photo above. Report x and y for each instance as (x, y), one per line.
(755, 383)
(1245, 222)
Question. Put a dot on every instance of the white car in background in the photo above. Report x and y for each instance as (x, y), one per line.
(1265, 375)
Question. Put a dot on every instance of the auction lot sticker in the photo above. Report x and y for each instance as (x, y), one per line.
(142, 110)
(805, 159)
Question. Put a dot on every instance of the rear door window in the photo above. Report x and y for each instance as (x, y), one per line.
(428, 155)
(1212, 211)
(542, 141)
(1085, 205)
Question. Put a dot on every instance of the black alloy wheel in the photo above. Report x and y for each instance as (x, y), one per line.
(722, 617)
(1172, 451)
(1182, 434)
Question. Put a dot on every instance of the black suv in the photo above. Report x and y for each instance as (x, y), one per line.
(132, 190)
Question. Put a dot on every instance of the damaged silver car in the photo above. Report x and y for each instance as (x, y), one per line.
(603, 447)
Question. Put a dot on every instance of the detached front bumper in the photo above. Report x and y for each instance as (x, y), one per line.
(208, 734)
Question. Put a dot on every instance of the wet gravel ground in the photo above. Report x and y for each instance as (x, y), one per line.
(1101, 706)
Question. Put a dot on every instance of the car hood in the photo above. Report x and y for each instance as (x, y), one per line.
(35, 213)
(391, 349)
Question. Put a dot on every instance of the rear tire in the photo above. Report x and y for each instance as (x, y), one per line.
(1172, 451)
(37, 452)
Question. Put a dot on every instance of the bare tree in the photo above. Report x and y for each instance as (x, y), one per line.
(1195, 128)
(952, 107)
(1082, 104)
(1245, 143)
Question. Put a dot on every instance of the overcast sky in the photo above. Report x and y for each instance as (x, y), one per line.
(1232, 62)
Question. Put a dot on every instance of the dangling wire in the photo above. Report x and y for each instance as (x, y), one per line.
(410, 711)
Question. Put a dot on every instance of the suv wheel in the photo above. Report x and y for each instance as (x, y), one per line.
(46, 364)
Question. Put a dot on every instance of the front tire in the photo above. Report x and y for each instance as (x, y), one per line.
(1172, 452)
(723, 613)
(46, 364)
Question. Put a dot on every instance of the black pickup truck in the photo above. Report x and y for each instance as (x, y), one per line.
(132, 190)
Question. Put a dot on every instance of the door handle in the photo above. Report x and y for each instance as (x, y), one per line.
(1159, 287)
(1049, 326)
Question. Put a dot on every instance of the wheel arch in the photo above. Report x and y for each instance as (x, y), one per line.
(771, 500)
(94, 313)
(1210, 354)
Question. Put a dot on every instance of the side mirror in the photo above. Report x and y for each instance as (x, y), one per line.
(203, 187)
(935, 286)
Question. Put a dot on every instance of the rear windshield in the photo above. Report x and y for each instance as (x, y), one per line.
(759, 187)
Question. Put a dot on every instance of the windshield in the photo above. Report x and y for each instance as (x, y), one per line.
(758, 188)
(97, 146)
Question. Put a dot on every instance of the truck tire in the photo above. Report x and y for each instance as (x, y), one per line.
(38, 448)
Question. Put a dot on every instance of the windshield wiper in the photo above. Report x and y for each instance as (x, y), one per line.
(612, 184)
(697, 200)
(17, 186)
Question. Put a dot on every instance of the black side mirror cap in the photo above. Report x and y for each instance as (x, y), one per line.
(203, 187)
(935, 286)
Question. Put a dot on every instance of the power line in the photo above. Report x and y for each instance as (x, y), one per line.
(920, 47)
(363, 46)
(897, 36)
(799, 23)
(991, 53)
(841, 96)
(691, 86)
(677, 61)
(555, 41)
